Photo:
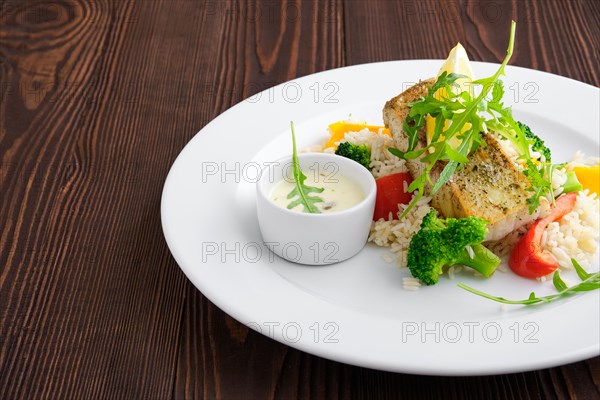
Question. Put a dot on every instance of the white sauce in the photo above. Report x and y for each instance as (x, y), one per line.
(340, 192)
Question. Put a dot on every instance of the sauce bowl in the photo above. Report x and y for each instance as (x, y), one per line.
(315, 239)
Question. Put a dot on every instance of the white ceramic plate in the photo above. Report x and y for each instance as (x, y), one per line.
(356, 311)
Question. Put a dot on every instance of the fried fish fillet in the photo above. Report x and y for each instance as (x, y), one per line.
(489, 186)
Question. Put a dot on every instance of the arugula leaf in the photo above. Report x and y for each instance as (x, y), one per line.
(398, 153)
(452, 166)
(540, 185)
(468, 115)
(454, 155)
(497, 93)
(589, 282)
(559, 284)
(540, 179)
(463, 111)
(302, 191)
(581, 273)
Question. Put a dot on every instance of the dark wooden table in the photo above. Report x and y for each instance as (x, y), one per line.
(99, 96)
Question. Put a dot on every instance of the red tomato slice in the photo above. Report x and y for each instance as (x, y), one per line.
(527, 258)
(390, 193)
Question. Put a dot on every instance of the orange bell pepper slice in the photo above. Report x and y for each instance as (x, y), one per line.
(589, 177)
(339, 129)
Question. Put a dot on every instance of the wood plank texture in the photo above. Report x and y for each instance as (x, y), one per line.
(97, 99)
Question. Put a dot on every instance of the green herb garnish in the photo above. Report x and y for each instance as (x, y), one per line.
(541, 183)
(302, 191)
(468, 115)
(588, 282)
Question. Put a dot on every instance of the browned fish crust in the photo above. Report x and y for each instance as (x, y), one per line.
(489, 186)
(396, 110)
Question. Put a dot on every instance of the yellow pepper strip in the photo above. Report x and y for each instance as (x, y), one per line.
(589, 177)
(339, 129)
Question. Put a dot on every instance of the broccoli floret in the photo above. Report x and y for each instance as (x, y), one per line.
(440, 243)
(359, 153)
(537, 143)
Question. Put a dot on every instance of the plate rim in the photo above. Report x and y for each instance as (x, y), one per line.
(589, 351)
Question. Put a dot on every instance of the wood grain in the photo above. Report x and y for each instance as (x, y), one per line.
(97, 99)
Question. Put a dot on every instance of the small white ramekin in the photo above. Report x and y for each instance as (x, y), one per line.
(315, 239)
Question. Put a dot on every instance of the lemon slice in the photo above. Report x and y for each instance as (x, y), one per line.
(457, 62)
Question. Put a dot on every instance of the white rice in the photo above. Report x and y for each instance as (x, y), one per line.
(559, 178)
(581, 160)
(390, 233)
(575, 236)
(410, 283)
(397, 234)
(383, 162)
